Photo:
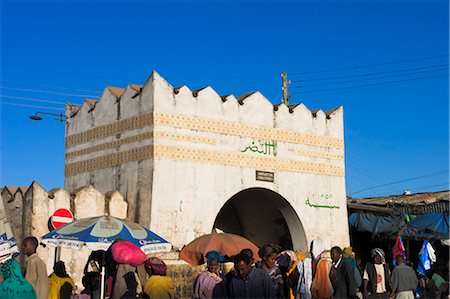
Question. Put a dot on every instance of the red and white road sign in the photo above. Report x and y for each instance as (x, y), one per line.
(61, 217)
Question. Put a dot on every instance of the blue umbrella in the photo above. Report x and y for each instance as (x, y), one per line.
(8, 244)
(97, 233)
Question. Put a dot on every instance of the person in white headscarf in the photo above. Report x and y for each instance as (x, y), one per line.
(376, 278)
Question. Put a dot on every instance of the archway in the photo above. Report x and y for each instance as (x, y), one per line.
(262, 216)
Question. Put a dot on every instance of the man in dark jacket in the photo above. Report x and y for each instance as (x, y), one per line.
(342, 276)
(248, 282)
(376, 278)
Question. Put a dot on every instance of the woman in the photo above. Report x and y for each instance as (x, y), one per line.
(268, 255)
(14, 285)
(61, 285)
(158, 285)
(207, 280)
(321, 286)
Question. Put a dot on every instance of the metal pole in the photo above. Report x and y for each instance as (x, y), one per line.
(57, 254)
(102, 283)
(285, 88)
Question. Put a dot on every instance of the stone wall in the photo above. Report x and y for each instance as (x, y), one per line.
(29, 210)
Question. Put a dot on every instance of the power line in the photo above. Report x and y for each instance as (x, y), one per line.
(363, 79)
(415, 188)
(374, 84)
(368, 65)
(50, 86)
(32, 99)
(31, 106)
(49, 92)
(402, 181)
(58, 72)
(432, 68)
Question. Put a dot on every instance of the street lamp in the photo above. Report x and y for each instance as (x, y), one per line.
(61, 116)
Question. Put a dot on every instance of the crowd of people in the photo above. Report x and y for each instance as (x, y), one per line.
(275, 273)
(326, 274)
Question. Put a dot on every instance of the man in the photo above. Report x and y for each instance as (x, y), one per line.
(376, 282)
(342, 276)
(248, 282)
(36, 271)
(403, 281)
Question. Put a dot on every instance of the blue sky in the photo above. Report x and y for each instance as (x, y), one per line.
(393, 57)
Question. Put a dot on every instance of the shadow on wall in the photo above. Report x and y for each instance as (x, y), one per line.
(262, 216)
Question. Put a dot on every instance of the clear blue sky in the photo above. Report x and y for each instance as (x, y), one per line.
(396, 102)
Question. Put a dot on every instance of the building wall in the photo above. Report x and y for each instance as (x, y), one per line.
(39, 205)
(179, 155)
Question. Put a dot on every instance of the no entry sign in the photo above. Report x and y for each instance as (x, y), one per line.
(61, 217)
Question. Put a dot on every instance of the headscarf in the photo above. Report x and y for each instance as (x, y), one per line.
(317, 247)
(14, 285)
(157, 266)
(214, 256)
(60, 269)
(380, 252)
(348, 252)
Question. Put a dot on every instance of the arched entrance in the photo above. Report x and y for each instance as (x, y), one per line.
(262, 216)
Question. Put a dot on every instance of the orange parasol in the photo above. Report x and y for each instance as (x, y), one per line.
(228, 244)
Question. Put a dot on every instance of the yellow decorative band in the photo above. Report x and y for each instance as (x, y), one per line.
(202, 156)
(234, 128)
(204, 125)
(132, 123)
(109, 145)
(184, 137)
(321, 154)
(138, 138)
(111, 160)
(244, 160)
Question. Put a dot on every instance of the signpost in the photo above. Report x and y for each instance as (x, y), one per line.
(61, 217)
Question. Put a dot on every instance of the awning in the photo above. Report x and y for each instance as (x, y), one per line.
(428, 226)
(376, 224)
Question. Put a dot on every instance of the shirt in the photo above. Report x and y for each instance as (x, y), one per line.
(256, 285)
(404, 278)
(381, 286)
(36, 275)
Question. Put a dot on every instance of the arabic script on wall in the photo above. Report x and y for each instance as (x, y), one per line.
(319, 198)
(264, 147)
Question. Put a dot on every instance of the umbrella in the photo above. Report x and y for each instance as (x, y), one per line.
(98, 233)
(8, 244)
(225, 243)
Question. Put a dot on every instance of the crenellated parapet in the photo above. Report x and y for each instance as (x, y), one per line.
(117, 141)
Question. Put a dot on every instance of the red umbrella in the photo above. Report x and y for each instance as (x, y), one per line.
(227, 244)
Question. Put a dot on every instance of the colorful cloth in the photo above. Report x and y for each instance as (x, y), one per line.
(158, 286)
(214, 256)
(426, 258)
(157, 266)
(321, 285)
(305, 280)
(205, 283)
(56, 283)
(14, 285)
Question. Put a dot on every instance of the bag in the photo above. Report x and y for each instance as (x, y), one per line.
(125, 252)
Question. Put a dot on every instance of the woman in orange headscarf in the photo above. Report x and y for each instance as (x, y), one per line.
(321, 286)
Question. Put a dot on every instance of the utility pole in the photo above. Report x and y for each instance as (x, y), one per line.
(284, 87)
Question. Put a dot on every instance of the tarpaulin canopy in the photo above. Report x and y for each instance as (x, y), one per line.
(376, 224)
(428, 226)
